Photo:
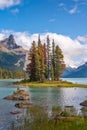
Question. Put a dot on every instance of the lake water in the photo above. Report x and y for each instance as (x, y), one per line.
(76, 80)
(44, 97)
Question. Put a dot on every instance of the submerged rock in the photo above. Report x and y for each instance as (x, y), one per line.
(23, 105)
(84, 103)
(19, 95)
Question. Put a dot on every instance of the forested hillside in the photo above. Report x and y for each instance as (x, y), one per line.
(6, 74)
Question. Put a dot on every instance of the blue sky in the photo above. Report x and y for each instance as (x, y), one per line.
(67, 17)
(64, 20)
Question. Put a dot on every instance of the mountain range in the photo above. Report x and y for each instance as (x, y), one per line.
(79, 72)
(12, 56)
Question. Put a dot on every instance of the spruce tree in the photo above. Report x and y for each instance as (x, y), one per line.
(45, 63)
(53, 59)
(59, 63)
(37, 62)
(45, 60)
(31, 67)
(41, 58)
(48, 59)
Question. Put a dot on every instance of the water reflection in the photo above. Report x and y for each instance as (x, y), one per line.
(58, 96)
(46, 98)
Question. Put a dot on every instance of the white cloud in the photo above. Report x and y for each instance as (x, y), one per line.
(62, 5)
(73, 10)
(82, 39)
(52, 20)
(1, 36)
(75, 53)
(15, 11)
(8, 3)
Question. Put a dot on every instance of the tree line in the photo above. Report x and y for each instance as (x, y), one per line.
(46, 61)
(6, 74)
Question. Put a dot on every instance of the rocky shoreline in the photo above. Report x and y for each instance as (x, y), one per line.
(84, 103)
(20, 95)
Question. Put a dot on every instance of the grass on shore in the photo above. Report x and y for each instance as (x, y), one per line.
(42, 122)
(47, 83)
(66, 123)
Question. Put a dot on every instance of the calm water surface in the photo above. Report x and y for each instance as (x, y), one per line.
(76, 80)
(45, 97)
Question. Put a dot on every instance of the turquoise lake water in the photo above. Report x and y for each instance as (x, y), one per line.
(76, 80)
(44, 97)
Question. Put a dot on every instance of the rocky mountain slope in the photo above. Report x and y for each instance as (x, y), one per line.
(12, 56)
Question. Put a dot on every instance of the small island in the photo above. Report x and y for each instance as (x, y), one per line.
(45, 84)
(45, 66)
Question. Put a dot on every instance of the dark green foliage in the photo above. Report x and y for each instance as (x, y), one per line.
(59, 63)
(53, 60)
(6, 74)
(8, 68)
(32, 65)
(37, 61)
(48, 59)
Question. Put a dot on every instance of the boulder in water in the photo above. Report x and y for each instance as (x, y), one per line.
(18, 95)
(84, 103)
(23, 104)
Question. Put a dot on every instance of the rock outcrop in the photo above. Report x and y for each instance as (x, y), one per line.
(19, 95)
(23, 104)
(84, 103)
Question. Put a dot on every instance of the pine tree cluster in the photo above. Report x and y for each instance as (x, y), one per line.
(45, 62)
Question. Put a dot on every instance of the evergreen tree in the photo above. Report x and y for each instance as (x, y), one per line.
(39, 41)
(41, 60)
(31, 68)
(45, 60)
(48, 59)
(37, 62)
(53, 59)
(6, 74)
(44, 63)
(59, 63)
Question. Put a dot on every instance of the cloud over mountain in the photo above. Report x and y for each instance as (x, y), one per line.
(75, 52)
